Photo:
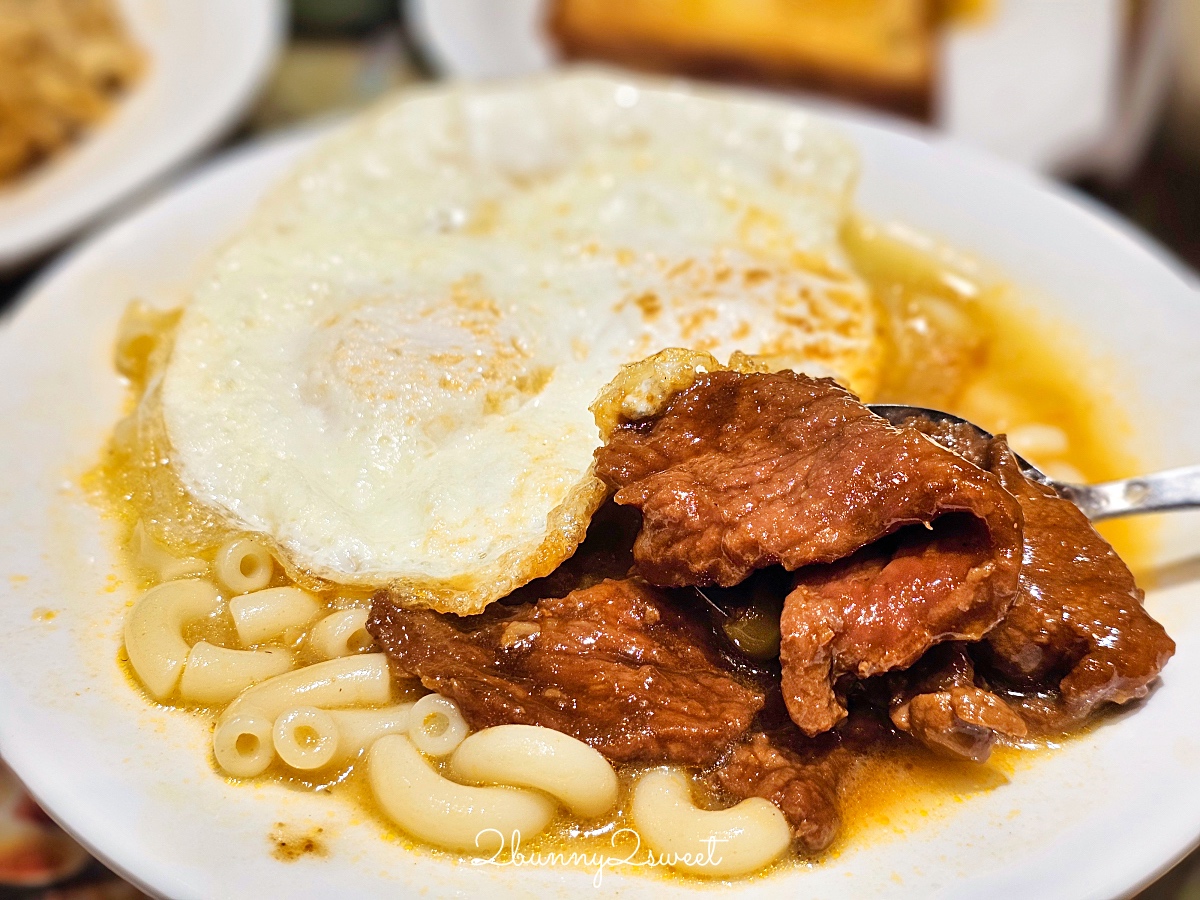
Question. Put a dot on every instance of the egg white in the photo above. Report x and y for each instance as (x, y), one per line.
(388, 372)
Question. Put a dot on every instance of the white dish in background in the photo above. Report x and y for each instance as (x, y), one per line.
(1058, 87)
(134, 782)
(205, 63)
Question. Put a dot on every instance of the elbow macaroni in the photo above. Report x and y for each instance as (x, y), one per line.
(244, 745)
(155, 558)
(358, 729)
(310, 738)
(138, 334)
(243, 741)
(503, 781)
(341, 633)
(444, 813)
(154, 631)
(262, 615)
(541, 758)
(243, 565)
(305, 737)
(715, 843)
(214, 675)
(436, 725)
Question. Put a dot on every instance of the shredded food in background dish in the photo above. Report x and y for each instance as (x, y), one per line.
(63, 64)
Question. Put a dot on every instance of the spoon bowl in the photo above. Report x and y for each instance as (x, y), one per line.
(1157, 492)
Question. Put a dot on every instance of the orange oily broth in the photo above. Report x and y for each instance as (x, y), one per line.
(900, 788)
(954, 339)
(959, 339)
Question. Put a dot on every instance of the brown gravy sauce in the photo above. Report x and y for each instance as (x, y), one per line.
(956, 338)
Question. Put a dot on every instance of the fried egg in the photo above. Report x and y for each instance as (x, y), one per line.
(388, 373)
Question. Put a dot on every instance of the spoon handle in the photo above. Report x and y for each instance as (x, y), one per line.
(1172, 489)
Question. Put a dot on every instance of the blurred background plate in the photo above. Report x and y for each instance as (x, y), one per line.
(206, 63)
(1069, 87)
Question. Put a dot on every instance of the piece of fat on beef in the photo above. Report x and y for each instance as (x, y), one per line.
(615, 665)
(900, 543)
(1077, 635)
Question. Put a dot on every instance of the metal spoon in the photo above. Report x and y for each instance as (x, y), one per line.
(1172, 489)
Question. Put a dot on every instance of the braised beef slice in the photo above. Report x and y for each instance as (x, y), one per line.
(1078, 626)
(743, 471)
(1077, 635)
(805, 790)
(882, 608)
(804, 777)
(615, 665)
(938, 702)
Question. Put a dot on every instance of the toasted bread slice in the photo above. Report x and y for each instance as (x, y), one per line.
(876, 51)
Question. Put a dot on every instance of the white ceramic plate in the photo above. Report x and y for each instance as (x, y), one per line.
(206, 62)
(134, 781)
